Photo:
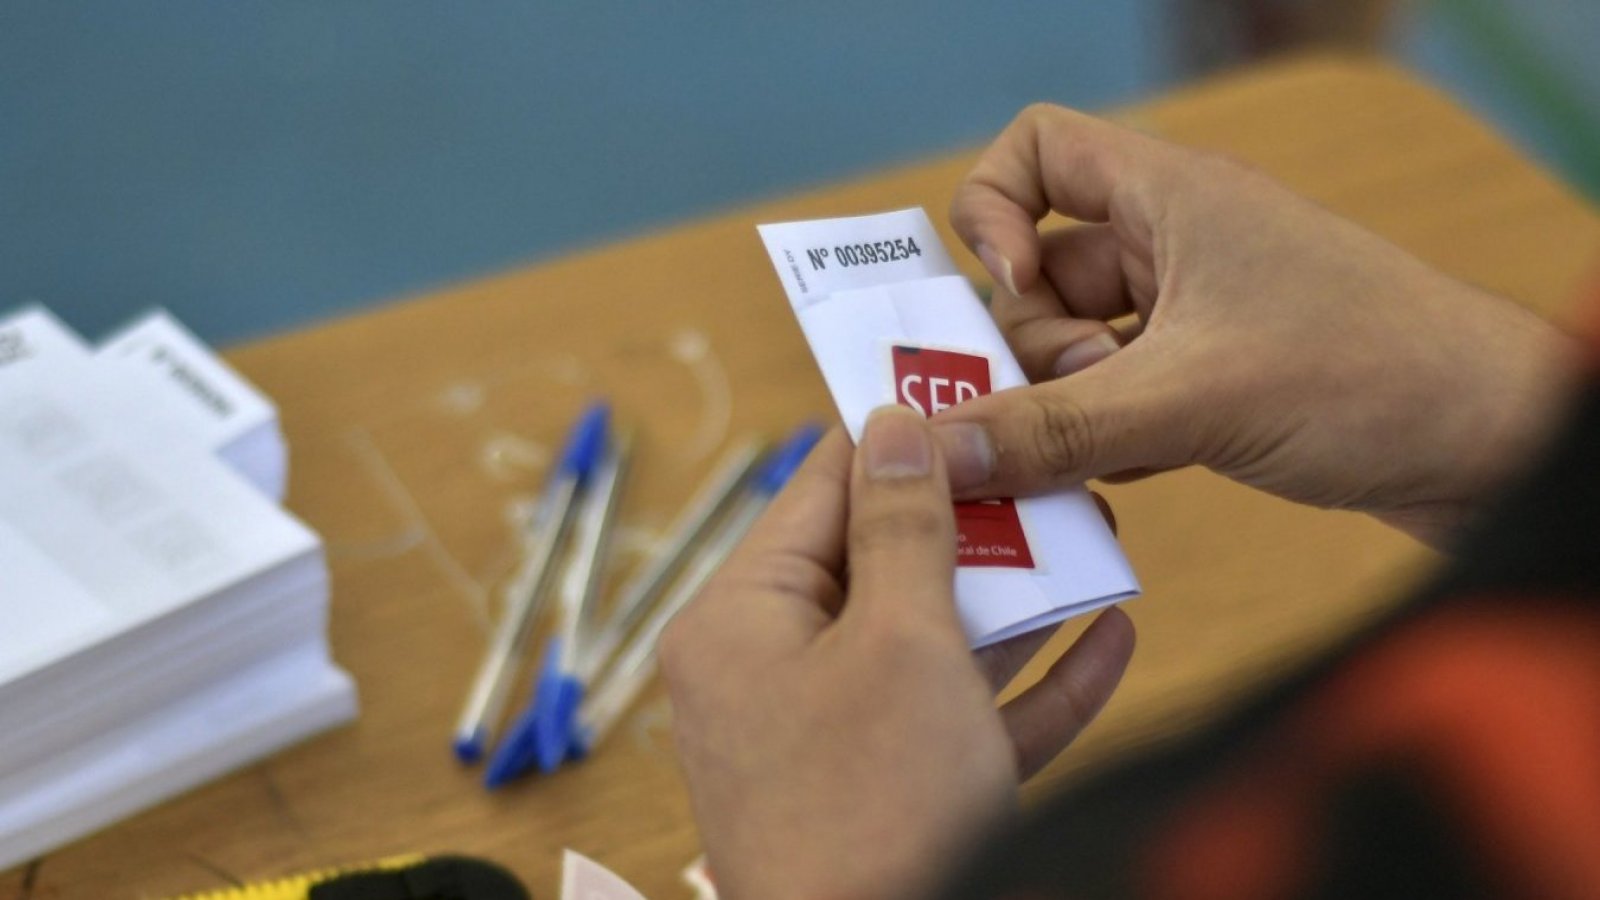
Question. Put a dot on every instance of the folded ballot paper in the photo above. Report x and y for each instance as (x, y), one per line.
(890, 320)
(200, 395)
(162, 619)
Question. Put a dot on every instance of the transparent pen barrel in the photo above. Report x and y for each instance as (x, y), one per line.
(524, 596)
(636, 663)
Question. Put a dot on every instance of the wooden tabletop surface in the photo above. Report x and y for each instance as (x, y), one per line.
(419, 432)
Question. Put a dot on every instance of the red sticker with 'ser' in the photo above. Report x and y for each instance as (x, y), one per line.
(989, 532)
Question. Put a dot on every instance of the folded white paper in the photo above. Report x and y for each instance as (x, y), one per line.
(584, 879)
(159, 357)
(177, 384)
(890, 320)
(34, 331)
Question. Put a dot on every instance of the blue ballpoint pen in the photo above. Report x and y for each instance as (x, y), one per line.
(487, 699)
(543, 729)
(543, 734)
(689, 529)
(635, 663)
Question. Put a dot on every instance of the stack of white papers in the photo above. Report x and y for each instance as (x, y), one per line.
(162, 618)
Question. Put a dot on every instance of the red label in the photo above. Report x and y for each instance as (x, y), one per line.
(989, 532)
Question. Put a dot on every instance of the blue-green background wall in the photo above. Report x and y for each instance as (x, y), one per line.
(255, 166)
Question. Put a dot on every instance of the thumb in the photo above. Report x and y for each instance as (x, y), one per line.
(901, 536)
(1122, 413)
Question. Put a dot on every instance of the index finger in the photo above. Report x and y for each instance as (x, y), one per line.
(1052, 158)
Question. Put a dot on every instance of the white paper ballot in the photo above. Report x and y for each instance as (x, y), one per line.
(141, 522)
(34, 331)
(890, 320)
(201, 394)
(584, 879)
(176, 384)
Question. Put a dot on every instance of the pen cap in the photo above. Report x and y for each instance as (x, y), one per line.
(787, 458)
(586, 442)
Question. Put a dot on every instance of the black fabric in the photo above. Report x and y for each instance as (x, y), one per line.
(1390, 837)
(440, 878)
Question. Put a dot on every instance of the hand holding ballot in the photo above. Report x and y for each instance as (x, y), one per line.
(826, 749)
(838, 737)
(1269, 340)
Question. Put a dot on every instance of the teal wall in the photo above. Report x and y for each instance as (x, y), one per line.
(254, 166)
(257, 166)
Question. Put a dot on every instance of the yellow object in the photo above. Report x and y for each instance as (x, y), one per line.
(298, 887)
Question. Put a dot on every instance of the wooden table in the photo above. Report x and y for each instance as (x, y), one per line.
(420, 430)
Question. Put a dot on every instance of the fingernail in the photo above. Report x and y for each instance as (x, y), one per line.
(999, 267)
(968, 454)
(1085, 353)
(896, 445)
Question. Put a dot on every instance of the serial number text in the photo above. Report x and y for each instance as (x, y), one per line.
(867, 254)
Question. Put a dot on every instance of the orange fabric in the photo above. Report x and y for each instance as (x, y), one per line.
(1498, 704)
(1587, 320)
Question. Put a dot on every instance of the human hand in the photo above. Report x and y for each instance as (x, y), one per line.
(1276, 343)
(839, 738)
